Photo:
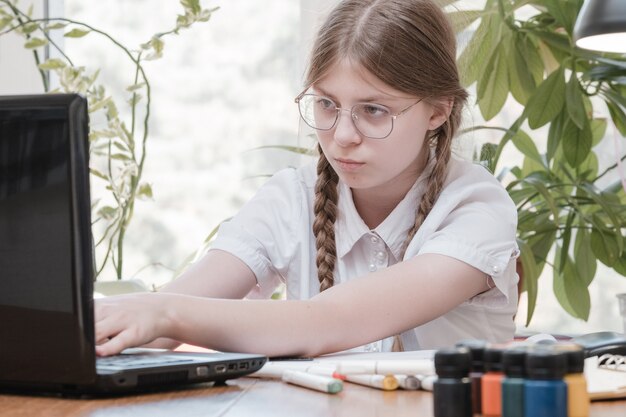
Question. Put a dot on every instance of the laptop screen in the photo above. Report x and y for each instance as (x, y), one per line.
(45, 255)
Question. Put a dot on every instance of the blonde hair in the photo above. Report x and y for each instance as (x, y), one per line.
(410, 46)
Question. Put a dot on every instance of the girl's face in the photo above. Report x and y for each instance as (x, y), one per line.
(389, 165)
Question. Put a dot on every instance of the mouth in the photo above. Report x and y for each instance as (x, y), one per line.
(348, 165)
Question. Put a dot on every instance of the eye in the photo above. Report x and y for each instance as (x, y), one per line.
(372, 111)
(324, 103)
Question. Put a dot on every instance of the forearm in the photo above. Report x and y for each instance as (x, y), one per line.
(271, 327)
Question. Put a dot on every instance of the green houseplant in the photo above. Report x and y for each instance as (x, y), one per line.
(118, 140)
(569, 216)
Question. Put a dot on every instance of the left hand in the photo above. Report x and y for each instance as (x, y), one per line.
(130, 320)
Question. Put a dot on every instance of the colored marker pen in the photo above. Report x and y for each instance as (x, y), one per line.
(312, 381)
(477, 370)
(452, 391)
(545, 392)
(392, 367)
(491, 382)
(513, 365)
(383, 382)
(408, 382)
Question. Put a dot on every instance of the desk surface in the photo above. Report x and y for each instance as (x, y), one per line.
(247, 397)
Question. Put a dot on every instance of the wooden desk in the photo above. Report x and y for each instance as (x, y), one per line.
(247, 397)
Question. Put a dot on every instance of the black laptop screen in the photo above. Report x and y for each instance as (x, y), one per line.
(35, 241)
(46, 321)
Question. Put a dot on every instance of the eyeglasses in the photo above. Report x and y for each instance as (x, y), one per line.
(370, 120)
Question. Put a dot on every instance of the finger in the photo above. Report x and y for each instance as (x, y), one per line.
(107, 328)
(115, 345)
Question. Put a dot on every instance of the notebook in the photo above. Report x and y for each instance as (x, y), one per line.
(47, 266)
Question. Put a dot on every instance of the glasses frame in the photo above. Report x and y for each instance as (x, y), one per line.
(353, 116)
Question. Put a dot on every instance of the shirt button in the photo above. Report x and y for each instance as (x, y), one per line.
(372, 267)
(495, 269)
(374, 239)
(381, 255)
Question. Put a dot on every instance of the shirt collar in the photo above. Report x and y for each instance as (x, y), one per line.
(350, 227)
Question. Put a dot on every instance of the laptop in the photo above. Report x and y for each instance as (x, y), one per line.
(47, 266)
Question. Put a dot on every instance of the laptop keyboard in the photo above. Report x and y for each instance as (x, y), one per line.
(140, 361)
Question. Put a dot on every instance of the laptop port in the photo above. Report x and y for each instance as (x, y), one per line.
(232, 366)
(220, 369)
(244, 365)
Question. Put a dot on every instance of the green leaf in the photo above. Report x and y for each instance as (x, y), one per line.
(574, 102)
(33, 43)
(461, 19)
(57, 25)
(191, 6)
(107, 213)
(493, 86)
(559, 10)
(570, 291)
(539, 185)
(52, 64)
(145, 191)
(5, 21)
(525, 145)
(604, 201)
(555, 135)
(135, 87)
(98, 174)
(521, 80)
(586, 262)
(576, 143)
(479, 49)
(620, 265)
(530, 277)
(598, 130)
(604, 246)
(547, 101)
(76, 33)
(618, 117)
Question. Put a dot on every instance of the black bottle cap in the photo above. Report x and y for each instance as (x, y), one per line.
(492, 358)
(452, 362)
(477, 349)
(544, 363)
(514, 362)
(575, 356)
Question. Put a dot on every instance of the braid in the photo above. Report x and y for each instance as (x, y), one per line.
(325, 210)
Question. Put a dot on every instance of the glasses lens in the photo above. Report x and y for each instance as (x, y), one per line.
(319, 112)
(372, 120)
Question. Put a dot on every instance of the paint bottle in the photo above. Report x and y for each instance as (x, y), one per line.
(577, 395)
(491, 382)
(513, 365)
(545, 392)
(452, 391)
(477, 369)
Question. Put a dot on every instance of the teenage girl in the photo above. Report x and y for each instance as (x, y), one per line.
(387, 243)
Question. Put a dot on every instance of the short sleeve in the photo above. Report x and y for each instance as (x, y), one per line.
(475, 221)
(262, 233)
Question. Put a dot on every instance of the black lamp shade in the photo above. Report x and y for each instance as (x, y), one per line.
(601, 26)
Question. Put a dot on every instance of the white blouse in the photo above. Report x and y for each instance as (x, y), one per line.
(473, 220)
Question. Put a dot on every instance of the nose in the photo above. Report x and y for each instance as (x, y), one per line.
(346, 133)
